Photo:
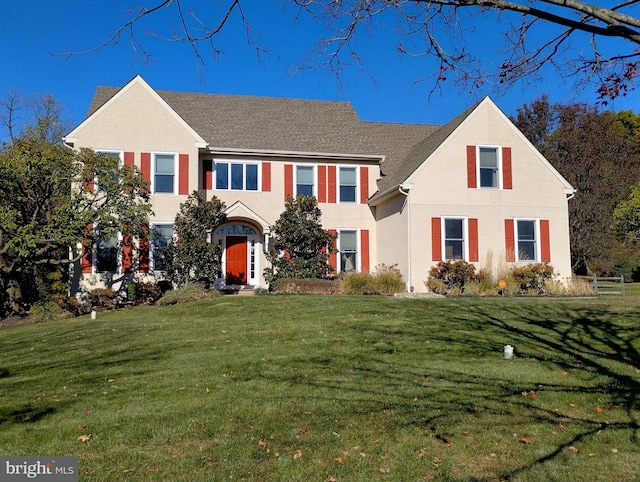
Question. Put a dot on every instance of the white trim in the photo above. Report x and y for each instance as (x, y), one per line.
(357, 186)
(314, 168)
(498, 150)
(376, 159)
(465, 237)
(71, 138)
(358, 267)
(245, 163)
(152, 186)
(537, 240)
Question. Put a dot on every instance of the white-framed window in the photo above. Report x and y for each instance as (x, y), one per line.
(162, 234)
(348, 250)
(164, 171)
(114, 153)
(527, 236)
(305, 177)
(489, 167)
(455, 238)
(348, 182)
(237, 175)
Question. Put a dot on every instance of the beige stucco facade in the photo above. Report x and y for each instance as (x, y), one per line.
(391, 217)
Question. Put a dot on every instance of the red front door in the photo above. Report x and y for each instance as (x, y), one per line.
(236, 260)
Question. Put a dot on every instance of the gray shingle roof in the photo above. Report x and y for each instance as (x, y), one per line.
(297, 125)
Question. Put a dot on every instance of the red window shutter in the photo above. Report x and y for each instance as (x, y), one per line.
(207, 174)
(127, 253)
(506, 168)
(472, 181)
(364, 250)
(143, 254)
(333, 257)
(474, 255)
(331, 181)
(436, 239)
(128, 159)
(266, 177)
(288, 181)
(364, 185)
(183, 174)
(545, 241)
(145, 166)
(322, 184)
(509, 240)
(86, 261)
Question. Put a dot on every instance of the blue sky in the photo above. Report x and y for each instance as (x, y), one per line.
(32, 30)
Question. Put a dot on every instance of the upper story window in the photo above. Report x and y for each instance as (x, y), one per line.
(527, 239)
(119, 155)
(164, 173)
(238, 176)
(348, 184)
(305, 184)
(489, 166)
(454, 238)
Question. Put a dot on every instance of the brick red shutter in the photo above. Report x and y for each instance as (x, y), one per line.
(509, 240)
(86, 262)
(331, 181)
(473, 240)
(145, 166)
(506, 168)
(266, 177)
(472, 181)
(128, 159)
(288, 181)
(127, 253)
(143, 253)
(333, 257)
(364, 185)
(436, 239)
(207, 174)
(364, 250)
(322, 184)
(545, 241)
(183, 173)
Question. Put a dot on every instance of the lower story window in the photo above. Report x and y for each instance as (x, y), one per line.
(527, 239)
(348, 250)
(454, 248)
(161, 237)
(107, 255)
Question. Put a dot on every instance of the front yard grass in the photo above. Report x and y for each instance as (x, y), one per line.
(283, 388)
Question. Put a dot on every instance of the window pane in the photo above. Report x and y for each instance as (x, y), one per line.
(304, 181)
(454, 238)
(348, 184)
(252, 177)
(237, 176)
(526, 241)
(222, 175)
(162, 236)
(348, 240)
(164, 164)
(163, 183)
(488, 157)
(107, 256)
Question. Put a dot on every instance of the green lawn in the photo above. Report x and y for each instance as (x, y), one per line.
(287, 388)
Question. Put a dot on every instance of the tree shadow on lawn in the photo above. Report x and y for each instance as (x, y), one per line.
(440, 400)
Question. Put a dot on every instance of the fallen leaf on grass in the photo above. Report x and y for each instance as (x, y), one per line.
(532, 395)
(262, 443)
(339, 460)
(525, 440)
(80, 427)
(153, 468)
(599, 409)
(303, 430)
(87, 412)
(84, 438)
(332, 479)
(384, 470)
(297, 455)
(572, 449)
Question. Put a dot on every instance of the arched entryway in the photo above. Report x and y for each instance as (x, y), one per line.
(241, 247)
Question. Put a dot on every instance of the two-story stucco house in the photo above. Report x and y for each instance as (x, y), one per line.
(400, 194)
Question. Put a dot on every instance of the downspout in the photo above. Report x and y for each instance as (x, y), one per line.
(404, 190)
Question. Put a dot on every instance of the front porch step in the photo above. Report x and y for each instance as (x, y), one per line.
(242, 290)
